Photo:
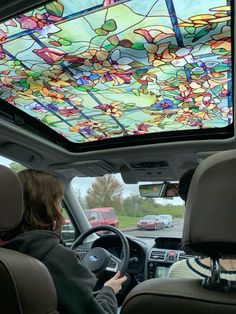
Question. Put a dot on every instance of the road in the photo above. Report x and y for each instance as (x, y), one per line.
(176, 231)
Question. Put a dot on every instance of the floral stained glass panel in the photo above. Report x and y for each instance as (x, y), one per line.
(93, 70)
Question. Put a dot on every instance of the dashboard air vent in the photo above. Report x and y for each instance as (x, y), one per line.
(158, 255)
(184, 256)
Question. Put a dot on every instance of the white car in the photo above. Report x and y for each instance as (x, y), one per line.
(167, 219)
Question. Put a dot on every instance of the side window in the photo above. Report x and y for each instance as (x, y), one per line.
(100, 216)
(113, 214)
(107, 215)
(94, 216)
(11, 164)
(67, 231)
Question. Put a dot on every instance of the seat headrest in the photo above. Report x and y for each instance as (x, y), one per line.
(11, 199)
(210, 215)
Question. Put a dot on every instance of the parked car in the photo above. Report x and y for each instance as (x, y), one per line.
(150, 222)
(167, 220)
(102, 216)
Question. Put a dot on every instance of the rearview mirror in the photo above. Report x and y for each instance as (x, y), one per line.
(161, 190)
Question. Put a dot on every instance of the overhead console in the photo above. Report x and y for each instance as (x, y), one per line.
(162, 255)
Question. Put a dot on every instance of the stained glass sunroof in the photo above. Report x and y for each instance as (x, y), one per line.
(94, 69)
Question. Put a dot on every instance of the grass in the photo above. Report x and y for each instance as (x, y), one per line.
(126, 221)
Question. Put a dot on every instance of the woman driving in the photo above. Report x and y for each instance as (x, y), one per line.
(38, 235)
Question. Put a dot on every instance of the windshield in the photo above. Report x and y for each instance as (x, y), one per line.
(108, 200)
(165, 217)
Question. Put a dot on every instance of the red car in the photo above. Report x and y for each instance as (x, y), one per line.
(102, 216)
(150, 222)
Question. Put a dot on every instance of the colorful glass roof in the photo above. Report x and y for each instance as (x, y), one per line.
(94, 69)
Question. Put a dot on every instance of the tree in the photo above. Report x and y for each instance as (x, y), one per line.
(135, 205)
(16, 167)
(131, 205)
(105, 191)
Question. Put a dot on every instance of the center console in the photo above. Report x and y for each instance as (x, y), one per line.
(163, 254)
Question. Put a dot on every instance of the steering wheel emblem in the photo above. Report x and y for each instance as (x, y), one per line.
(93, 258)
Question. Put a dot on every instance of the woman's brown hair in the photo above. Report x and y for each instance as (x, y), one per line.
(43, 193)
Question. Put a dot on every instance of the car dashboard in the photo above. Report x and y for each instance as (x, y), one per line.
(162, 255)
(147, 261)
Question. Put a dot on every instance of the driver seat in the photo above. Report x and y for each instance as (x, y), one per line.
(209, 231)
(26, 286)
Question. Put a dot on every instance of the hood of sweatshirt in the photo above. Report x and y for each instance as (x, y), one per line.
(36, 243)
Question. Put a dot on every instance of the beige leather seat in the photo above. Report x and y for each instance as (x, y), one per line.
(209, 230)
(26, 286)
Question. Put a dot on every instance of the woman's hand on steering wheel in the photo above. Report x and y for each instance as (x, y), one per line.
(116, 282)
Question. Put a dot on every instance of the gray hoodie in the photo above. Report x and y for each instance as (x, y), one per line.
(73, 281)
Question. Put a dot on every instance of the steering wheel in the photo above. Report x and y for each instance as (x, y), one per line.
(99, 260)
